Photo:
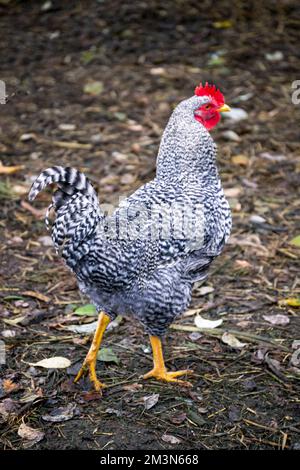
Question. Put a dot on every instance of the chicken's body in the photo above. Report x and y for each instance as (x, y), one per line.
(126, 263)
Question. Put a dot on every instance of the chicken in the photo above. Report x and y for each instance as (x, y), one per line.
(144, 258)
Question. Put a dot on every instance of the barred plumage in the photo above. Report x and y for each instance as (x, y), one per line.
(149, 277)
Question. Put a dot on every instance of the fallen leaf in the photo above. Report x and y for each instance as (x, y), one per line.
(135, 387)
(232, 341)
(295, 241)
(56, 362)
(257, 219)
(31, 436)
(113, 411)
(276, 56)
(36, 295)
(156, 71)
(231, 135)
(87, 328)
(195, 336)
(120, 116)
(107, 355)
(291, 302)
(8, 333)
(195, 418)
(170, 439)
(28, 136)
(178, 418)
(236, 115)
(8, 407)
(150, 401)
(273, 364)
(224, 24)
(14, 321)
(272, 158)
(9, 386)
(20, 189)
(45, 240)
(295, 358)
(241, 160)
(9, 170)
(93, 88)
(277, 319)
(232, 192)
(204, 290)
(88, 309)
(128, 178)
(60, 414)
(31, 397)
(242, 264)
(204, 323)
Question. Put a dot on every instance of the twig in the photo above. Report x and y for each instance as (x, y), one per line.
(239, 334)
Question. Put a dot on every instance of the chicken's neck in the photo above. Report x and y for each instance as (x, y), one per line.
(187, 152)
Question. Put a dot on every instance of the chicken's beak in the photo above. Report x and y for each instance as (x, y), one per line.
(224, 109)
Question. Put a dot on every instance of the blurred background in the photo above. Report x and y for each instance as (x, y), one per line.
(92, 84)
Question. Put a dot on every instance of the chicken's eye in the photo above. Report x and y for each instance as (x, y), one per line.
(207, 106)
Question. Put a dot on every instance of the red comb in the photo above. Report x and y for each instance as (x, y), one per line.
(210, 90)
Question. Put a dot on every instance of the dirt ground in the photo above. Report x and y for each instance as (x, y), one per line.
(91, 84)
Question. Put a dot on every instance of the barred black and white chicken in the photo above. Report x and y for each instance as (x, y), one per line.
(144, 258)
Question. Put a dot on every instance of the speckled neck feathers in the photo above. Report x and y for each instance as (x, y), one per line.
(187, 150)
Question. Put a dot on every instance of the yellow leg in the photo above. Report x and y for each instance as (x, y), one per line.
(89, 363)
(159, 370)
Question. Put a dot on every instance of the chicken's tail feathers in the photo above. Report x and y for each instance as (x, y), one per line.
(77, 208)
(70, 180)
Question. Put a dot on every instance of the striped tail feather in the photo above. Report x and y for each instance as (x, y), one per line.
(68, 179)
(77, 210)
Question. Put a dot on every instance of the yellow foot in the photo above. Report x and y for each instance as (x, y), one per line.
(90, 366)
(162, 374)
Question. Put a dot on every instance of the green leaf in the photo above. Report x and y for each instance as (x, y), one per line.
(13, 297)
(107, 355)
(88, 309)
(93, 88)
(295, 241)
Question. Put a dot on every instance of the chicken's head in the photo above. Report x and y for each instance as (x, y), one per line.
(209, 113)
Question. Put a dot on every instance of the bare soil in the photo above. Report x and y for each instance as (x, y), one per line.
(148, 56)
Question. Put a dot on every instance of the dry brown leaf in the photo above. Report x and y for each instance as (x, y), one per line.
(9, 386)
(31, 436)
(277, 319)
(150, 400)
(170, 439)
(9, 170)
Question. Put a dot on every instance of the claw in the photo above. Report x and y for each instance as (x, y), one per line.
(162, 374)
(89, 366)
(159, 370)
